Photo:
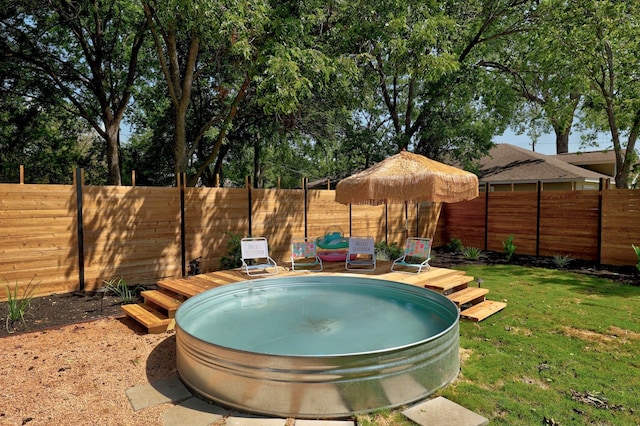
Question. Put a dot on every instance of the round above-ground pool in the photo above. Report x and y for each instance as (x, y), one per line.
(317, 346)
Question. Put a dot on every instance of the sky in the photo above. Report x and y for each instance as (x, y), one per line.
(547, 143)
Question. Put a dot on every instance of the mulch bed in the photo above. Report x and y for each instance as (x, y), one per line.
(62, 309)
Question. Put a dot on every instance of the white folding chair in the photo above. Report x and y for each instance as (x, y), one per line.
(363, 252)
(304, 255)
(417, 254)
(255, 257)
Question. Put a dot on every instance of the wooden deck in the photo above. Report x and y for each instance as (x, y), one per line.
(451, 283)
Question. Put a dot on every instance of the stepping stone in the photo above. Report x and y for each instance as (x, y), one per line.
(442, 412)
(159, 392)
(193, 412)
(324, 423)
(249, 420)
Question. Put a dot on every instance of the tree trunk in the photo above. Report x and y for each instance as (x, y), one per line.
(112, 139)
(562, 140)
(180, 142)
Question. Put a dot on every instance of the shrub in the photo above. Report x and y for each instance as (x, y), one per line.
(509, 247)
(637, 250)
(16, 307)
(561, 261)
(471, 253)
(233, 258)
(119, 287)
(454, 246)
(386, 251)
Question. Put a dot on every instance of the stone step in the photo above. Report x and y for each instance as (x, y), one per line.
(154, 321)
(472, 295)
(482, 310)
(160, 300)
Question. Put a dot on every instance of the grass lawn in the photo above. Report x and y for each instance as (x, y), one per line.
(565, 351)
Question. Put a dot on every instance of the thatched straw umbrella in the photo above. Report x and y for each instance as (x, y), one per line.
(407, 178)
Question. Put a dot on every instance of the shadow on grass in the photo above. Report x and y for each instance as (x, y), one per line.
(580, 283)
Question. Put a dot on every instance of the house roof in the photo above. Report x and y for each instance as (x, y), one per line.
(588, 157)
(512, 164)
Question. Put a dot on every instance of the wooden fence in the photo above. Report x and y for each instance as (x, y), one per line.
(599, 226)
(146, 233)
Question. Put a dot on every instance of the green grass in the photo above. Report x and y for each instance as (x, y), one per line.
(564, 344)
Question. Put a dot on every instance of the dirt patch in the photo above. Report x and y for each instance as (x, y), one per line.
(613, 334)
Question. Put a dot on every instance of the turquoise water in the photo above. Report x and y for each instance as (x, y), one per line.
(340, 316)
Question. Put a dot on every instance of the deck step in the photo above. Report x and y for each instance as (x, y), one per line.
(186, 287)
(448, 285)
(482, 310)
(157, 299)
(472, 295)
(154, 321)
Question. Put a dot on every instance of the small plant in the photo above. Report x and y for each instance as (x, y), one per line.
(388, 252)
(16, 307)
(471, 253)
(455, 246)
(119, 287)
(233, 258)
(509, 247)
(561, 261)
(637, 250)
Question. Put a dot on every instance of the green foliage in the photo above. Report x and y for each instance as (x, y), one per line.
(388, 252)
(17, 305)
(509, 247)
(233, 258)
(561, 261)
(547, 348)
(454, 246)
(471, 253)
(637, 250)
(119, 287)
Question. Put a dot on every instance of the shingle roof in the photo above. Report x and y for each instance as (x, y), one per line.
(588, 157)
(509, 163)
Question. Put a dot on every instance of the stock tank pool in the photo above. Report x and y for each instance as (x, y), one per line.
(317, 346)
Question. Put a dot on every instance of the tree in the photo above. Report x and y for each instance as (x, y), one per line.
(543, 71)
(607, 41)
(88, 51)
(419, 65)
(236, 55)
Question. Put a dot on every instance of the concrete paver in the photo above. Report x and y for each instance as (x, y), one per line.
(193, 412)
(442, 412)
(249, 420)
(158, 392)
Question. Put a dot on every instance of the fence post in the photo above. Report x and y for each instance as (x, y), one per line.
(21, 174)
(486, 216)
(249, 206)
(305, 182)
(182, 178)
(79, 182)
(600, 205)
(538, 219)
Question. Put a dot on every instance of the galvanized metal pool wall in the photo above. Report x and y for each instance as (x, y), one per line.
(277, 377)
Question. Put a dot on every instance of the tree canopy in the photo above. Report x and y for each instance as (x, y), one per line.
(282, 90)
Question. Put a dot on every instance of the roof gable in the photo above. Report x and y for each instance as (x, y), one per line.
(509, 163)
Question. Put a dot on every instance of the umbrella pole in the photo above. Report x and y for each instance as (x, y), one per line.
(406, 219)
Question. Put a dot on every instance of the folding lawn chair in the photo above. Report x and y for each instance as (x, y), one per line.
(417, 253)
(255, 257)
(361, 255)
(304, 254)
